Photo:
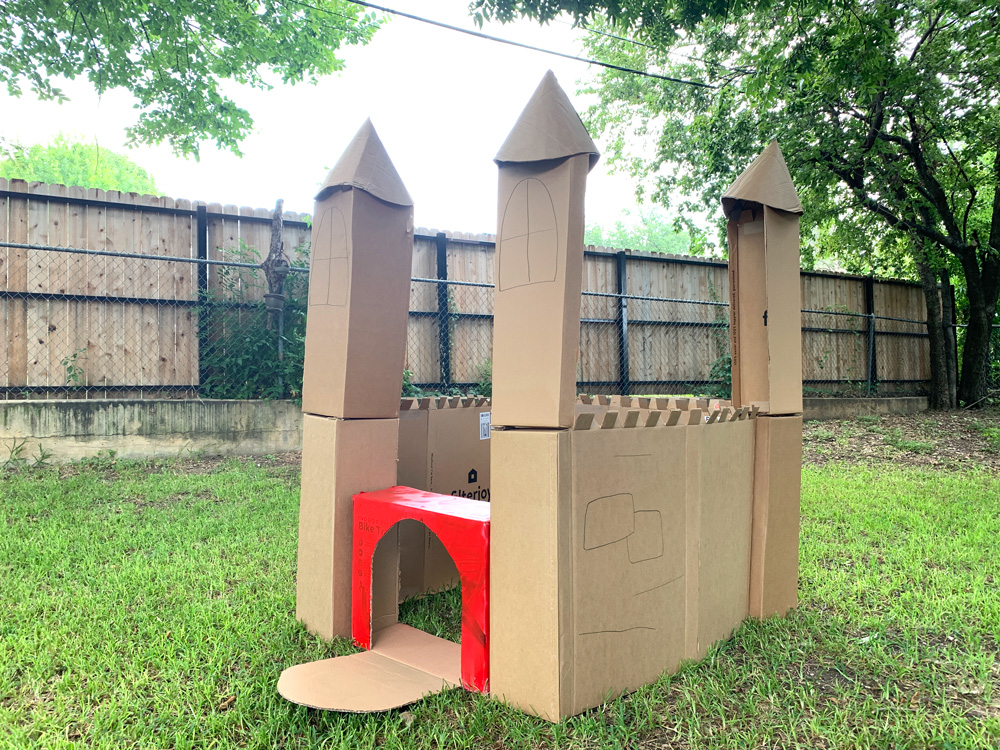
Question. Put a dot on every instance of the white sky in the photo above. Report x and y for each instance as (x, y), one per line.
(442, 103)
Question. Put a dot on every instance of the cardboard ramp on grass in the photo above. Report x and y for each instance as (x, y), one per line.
(403, 666)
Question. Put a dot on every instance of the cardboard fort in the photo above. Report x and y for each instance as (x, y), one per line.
(624, 534)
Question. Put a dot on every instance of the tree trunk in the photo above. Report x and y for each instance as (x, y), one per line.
(939, 396)
(974, 386)
(982, 288)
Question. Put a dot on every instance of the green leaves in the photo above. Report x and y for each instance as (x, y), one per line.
(175, 58)
(68, 162)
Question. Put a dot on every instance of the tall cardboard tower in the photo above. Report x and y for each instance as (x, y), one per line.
(359, 291)
(763, 212)
(539, 261)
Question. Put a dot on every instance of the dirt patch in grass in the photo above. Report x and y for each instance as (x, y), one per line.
(936, 440)
(212, 464)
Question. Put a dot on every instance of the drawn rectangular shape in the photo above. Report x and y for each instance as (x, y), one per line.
(646, 543)
(608, 520)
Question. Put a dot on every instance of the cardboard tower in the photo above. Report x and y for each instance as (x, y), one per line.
(763, 212)
(359, 291)
(539, 261)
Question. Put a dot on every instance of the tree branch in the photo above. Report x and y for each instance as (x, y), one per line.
(995, 217)
(934, 189)
(926, 36)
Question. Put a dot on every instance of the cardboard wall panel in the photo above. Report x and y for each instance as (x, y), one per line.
(441, 449)
(777, 490)
(784, 316)
(339, 459)
(748, 290)
(529, 560)
(601, 514)
(725, 508)
(628, 560)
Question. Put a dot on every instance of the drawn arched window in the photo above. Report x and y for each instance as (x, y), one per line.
(330, 273)
(528, 245)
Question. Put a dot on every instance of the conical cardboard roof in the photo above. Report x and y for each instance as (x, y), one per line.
(367, 166)
(548, 128)
(767, 182)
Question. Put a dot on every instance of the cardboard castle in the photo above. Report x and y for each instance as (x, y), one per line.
(616, 543)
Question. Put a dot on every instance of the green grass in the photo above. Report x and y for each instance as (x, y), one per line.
(989, 431)
(439, 614)
(146, 608)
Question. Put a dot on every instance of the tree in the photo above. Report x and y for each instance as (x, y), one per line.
(886, 111)
(175, 57)
(653, 231)
(66, 162)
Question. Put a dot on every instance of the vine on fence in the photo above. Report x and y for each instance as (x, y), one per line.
(721, 370)
(239, 345)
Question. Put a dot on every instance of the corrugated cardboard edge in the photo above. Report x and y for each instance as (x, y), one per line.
(366, 165)
(766, 181)
(653, 418)
(548, 128)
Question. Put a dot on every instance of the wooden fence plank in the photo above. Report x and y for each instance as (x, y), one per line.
(17, 279)
(149, 226)
(120, 238)
(185, 287)
(38, 282)
(63, 351)
(216, 241)
(100, 337)
(5, 303)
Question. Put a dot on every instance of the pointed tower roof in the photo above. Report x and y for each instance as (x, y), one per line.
(366, 165)
(767, 182)
(548, 128)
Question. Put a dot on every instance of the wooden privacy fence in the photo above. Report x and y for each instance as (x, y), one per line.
(653, 321)
(162, 297)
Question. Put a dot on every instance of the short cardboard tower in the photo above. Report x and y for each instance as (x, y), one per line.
(622, 535)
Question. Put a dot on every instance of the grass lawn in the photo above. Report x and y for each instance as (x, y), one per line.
(152, 605)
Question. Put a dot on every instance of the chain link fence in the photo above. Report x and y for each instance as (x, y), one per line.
(94, 324)
(994, 361)
(855, 354)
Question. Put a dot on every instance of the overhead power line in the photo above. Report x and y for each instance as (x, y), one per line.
(522, 45)
(653, 47)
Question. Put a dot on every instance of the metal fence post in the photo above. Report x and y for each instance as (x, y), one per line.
(624, 378)
(950, 335)
(444, 314)
(202, 234)
(872, 351)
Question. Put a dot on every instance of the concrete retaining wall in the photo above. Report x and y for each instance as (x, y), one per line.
(69, 430)
(72, 429)
(848, 408)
